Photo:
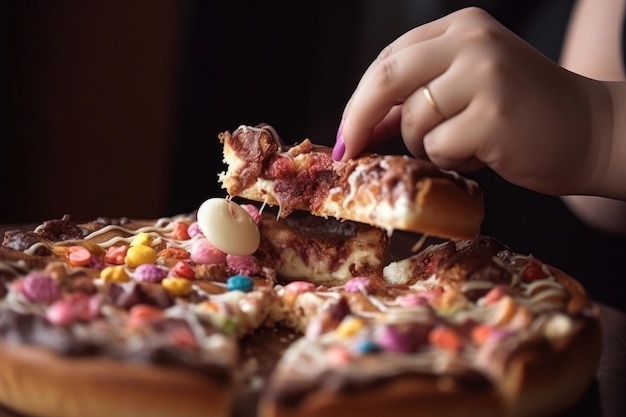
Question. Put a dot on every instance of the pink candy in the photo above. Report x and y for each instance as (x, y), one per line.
(358, 284)
(115, 255)
(203, 252)
(149, 273)
(40, 287)
(60, 313)
(299, 287)
(254, 212)
(245, 265)
(194, 230)
(77, 306)
(495, 294)
(393, 340)
(336, 355)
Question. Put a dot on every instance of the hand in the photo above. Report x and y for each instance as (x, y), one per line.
(499, 103)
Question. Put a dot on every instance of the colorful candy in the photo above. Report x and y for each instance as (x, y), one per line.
(79, 256)
(116, 254)
(204, 252)
(114, 274)
(178, 287)
(367, 346)
(337, 355)
(392, 339)
(181, 230)
(239, 283)
(445, 338)
(139, 255)
(142, 239)
(40, 287)
(183, 270)
(149, 273)
(194, 230)
(363, 284)
(349, 327)
(299, 287)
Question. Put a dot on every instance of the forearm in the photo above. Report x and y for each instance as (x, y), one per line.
(614, 174)
(593, 48)
(593, 42)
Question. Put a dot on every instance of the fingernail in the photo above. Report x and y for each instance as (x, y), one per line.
(340, 146)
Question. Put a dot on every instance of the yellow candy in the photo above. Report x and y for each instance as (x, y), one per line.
(177, 287)
(114, 274)
(349, 327)
(139, 255)
(142, 238)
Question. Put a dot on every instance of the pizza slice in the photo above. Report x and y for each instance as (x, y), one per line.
(387, 191)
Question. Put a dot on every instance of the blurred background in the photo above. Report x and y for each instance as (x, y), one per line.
(113, 108)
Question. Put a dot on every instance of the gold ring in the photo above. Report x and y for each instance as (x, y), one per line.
(431, 101)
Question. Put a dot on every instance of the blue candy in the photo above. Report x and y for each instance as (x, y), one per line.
(239, 283)
(367, 346)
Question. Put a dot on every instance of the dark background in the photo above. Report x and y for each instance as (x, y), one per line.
(113, 108)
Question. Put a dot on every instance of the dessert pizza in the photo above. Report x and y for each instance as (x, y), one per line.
(167, 317)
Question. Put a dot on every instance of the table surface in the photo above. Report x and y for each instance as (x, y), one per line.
(606, 395)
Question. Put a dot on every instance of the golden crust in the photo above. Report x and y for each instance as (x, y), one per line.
(404, 396)
(545, 383)
(37, 382)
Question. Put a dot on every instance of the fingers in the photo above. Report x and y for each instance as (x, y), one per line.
(455, 144)
(387, 128)
(422, 33)
(436, 103)
(394, 78)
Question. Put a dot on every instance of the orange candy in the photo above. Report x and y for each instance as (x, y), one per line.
(181, 230)
(142, 313)
(79, 256)
(445, 338)
(480, 333)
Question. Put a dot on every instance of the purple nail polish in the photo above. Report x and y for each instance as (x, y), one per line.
(340, 146)
(339, 149)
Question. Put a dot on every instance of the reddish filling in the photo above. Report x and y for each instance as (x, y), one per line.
(301, 188)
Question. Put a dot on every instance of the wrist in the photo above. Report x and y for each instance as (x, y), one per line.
(598, 175)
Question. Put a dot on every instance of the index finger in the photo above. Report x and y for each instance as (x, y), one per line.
(392, 77)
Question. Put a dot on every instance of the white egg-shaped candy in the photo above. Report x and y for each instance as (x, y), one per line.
(229, 227)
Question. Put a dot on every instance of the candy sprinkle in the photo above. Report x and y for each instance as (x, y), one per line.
(239, 283)
(367, 346)
(139, 255)
(149, 273)
(40, 288)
